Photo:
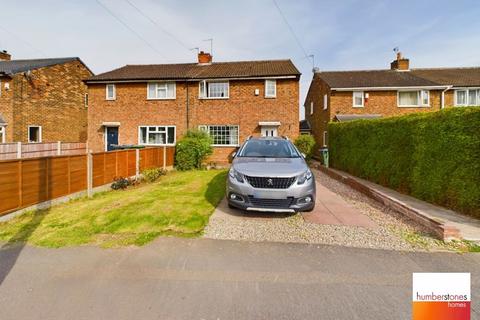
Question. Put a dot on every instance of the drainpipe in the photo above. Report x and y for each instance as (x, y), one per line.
(443, 96)
(187, 104)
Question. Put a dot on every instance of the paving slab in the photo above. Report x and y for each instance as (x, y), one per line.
(330, 208)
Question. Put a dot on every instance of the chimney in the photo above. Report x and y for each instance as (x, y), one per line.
(204, 57)
(4, 56)
(401, 64)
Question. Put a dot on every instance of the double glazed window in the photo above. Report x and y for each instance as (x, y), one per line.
(157, 135)
(34, 134)
(110, 93)
(358, 99)
(214, 89)
(417, 98)
(222, 135)
(2, 134)
(161, 90)
(270, 88)
(467, 97)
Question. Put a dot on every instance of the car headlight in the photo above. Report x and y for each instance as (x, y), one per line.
(307, 175)
(236, 175)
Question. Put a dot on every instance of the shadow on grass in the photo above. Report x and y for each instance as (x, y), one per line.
(216, 188)
(10, 251)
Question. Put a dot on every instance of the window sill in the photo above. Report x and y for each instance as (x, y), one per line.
(153, 99)
(157, 145)
(270, 97)
(110, 99)
(415, 106)
(214, 98)
(226, 145)
(359, 107)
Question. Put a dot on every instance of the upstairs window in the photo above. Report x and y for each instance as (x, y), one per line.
(467, 97)
(358, 99)
(156, 135)
(111, 93)
(325, 102)
(270, 88)
(311, 107)
(34, 134)
(161, 90)
(214, 89)
(417, 98)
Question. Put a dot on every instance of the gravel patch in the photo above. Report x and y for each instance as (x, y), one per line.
(394, 231)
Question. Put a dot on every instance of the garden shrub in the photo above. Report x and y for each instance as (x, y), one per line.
(431, 156)
(120, 183)
(151, 175)
(306, 145)
(192, 150)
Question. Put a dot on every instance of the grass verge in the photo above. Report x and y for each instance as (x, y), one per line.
(178, 204)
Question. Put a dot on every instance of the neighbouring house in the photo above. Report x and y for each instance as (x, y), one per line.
(157, 104)
(304, 127)
(43, 100)
(368, 94)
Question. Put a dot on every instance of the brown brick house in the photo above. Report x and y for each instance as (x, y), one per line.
(157, 104)
(42, 100)
(351, 95)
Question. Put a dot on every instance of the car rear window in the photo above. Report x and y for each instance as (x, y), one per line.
(269, 149)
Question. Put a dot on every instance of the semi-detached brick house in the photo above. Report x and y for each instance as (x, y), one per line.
(365, 94)
(157, 104)
(42, 100)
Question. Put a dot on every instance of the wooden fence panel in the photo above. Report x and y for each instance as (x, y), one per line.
(10, 189)
(26, 182)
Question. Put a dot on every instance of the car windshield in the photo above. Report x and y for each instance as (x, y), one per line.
(269, 149)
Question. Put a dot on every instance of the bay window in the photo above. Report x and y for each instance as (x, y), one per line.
(161, 90)
(222, 135)
(156, 135)
(214, 89)
(416, 98)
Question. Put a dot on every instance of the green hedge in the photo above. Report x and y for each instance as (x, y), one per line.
(431, 156)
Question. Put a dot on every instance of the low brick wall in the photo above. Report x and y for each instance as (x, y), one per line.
(439, 229)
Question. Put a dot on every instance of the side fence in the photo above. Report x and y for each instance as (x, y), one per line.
(18, 150)
(27, 182)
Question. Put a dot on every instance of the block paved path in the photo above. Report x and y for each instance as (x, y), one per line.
(332, 209)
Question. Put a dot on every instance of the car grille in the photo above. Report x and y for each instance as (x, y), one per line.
(270, 183)
(271, 203)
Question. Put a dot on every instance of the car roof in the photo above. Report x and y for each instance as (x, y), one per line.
(267, 138)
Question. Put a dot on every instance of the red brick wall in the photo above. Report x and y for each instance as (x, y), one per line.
(132, 109)
(53, 98)
(6, 107)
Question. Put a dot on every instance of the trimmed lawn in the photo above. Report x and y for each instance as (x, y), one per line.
(178, 204)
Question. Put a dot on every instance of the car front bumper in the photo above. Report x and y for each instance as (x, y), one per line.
(295, 198)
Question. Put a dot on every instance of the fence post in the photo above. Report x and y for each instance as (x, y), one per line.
(89, 174)
(19, 150)
(137, 162)
(164, 157)
(59, 148)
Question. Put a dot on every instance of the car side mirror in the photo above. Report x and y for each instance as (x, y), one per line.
(234, 154)
(304, 155)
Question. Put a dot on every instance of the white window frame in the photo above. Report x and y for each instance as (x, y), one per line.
(85, 100)
(207, 128)
(325, 137)
(325, 101)
(166, 135)
(157, 85)
(311, 107)
(419, 104)
(363, 99)
(206, 82)
(114, 91)
(467, 97)
(39, 134)
(3, 131)
(274, 95)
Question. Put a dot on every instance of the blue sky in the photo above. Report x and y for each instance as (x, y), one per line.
(342, 34)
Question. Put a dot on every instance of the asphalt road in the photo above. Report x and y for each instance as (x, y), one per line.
(175, 278)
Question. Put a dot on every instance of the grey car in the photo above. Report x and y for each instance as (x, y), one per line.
(270, 174)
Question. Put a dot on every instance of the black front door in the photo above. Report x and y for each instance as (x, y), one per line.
(112, 137)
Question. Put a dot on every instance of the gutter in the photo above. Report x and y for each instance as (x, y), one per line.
(389, 88)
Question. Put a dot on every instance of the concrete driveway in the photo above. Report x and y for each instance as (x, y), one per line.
(213, 279)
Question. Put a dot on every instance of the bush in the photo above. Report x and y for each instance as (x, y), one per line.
(432, 156)
(192, 150)
(306, 145)
(151, 175)
(120, 183)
